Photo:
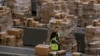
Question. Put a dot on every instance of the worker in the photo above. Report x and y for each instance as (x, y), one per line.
(54, 39)
(57, 32)
(54, 42)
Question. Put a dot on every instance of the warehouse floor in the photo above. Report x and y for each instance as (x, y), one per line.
(9, 51)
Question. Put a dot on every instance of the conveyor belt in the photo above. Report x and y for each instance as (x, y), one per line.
(16, 51)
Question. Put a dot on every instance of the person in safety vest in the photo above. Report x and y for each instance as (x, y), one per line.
(54, 40)
(57, 32)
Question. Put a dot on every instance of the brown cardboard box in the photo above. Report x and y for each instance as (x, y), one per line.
(97, 34)
(98, 24)
(17, 32)
(3, 34)
(10, 40)
(90, 35)
(16, 22)
(89, 30)
(19, 43)
(42, 49)
(76, 54)
(14, 31)
(2, 37)
(94, 44)
(25, 23)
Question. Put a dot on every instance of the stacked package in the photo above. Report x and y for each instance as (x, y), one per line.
(85, 15)
(5, 19)
(13, 37)
(18, 33)
(93, 37)
(20, 8)
(93, 30)
(66, 25)
(97, 9)
(66, 43)
(46, 11)
(30, 22)
(49, 8)
(72, 7)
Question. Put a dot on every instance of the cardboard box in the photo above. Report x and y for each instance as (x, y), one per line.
(89, 30)
(14, 31)
(25, 23)
(42, 49)
(17, 32)
(19, 43)
(97, 34)
(89, 35)
(3, 34)
(94, 44)
(10, 40)
(98, 24)
(76, 54)
(16, 22)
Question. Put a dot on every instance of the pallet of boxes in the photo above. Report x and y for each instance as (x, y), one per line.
(93, 37)
(9, 36)
(13, 37)
(20, 8)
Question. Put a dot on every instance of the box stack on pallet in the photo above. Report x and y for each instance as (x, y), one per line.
(89, 11)
(12, 37)
(92, 37)
(6, 23)
(66, 24)
(72, 7)
(5, 18)
(18, 33)
(20, 8)
(49, 8)
(97, 9)
(29, 22)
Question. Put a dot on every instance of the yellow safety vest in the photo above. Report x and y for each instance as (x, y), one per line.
(54, 47)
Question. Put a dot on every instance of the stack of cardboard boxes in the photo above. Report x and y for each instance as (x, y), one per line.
(30, 22)
(20, 8)
(13, 37)
(46, 11)
(18, 33)
(97, 9)
(92, 36)
(49, 9)
(66, 25)
(5, 18)
(71, 7)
